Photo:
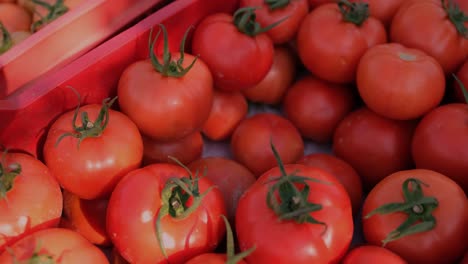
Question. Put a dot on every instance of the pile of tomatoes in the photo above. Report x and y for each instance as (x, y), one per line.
(379, 84)
(21, 18)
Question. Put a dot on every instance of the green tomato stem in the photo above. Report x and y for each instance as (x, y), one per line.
(277, 4)
(356, 13)
(54, 11)
(456, 16)
(462, 87)
(7, 41)
(245, 21)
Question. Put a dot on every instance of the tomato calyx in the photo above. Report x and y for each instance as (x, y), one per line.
(293, 202)
(89, 128)
(8, 174)
(7, 41)
(36, 258)
(356, 12)
(168, 67)
(456, 16)
(231, 258)
(277, 4)
(180, 198)
(462, 87)
(245, 21)
(418, 207)
(54, 11)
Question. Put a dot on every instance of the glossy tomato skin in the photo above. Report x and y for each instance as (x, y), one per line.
(372, 254)
(236, 60)
(295, 11)
(63, 245)
(373, 145)
(398, 82)
(228, 109)
(92, 170)
(316, 107)
(275, 240)
(138, 197)
(250, 142)
(425, 25)
(331, 48)
(180, 105)
(440, 142)
(14, 17)
(273, 87)
(383, 10)
(231, 177)
(33, 203)
(315, 3)
(341, 170)
(87, 217)
(210, 258)
(185, 150)
(443, 244)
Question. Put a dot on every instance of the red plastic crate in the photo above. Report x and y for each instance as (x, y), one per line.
(66, 38)
(26, 114)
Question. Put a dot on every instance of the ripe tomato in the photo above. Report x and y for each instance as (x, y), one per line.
(14, 17)
(155, 211)
(185, 150)
(315, 3)
(273, 87)
(270, 12)
(278, 229)
(53, 245)
(44, 15)
(228, 109)
(333, 37)
(383, 10)
(372, 254)
(238, 55)
(465, 259)
(30, 197)
(87, 217)
(231, 177)
(180, 100)
(250, 142)
(373, 145)
(398, 82)
(316, 107)
(435, 27)
(421, 216)
(440, 142)
(462, 75)
(89, 159)
(27, 4)
(341, 170)
(116, 258)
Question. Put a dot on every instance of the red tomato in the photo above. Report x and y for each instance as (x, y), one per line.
(315, 3)
(185, 150)
(143, 196)
(440, 142)
(116, 258)
(53, 245)
(110, 147)
(398, 82)
(383, 10)
(250, 142)
(295, 239)
(372, 254)
(239, 57)
(332, 39)
(273, 87)
(228, 109)
(465, 259)
(373, 145)
(14, 17)
(270, 12)
(316, 107)
(180, 101)
(462, 75)
(340, 170)
(30, 198)
(231, 177)
(441, 216)
(87, 217)
(433, 28)
(45, 15)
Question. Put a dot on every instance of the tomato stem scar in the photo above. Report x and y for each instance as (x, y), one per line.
(406, 56)
(418, 207)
